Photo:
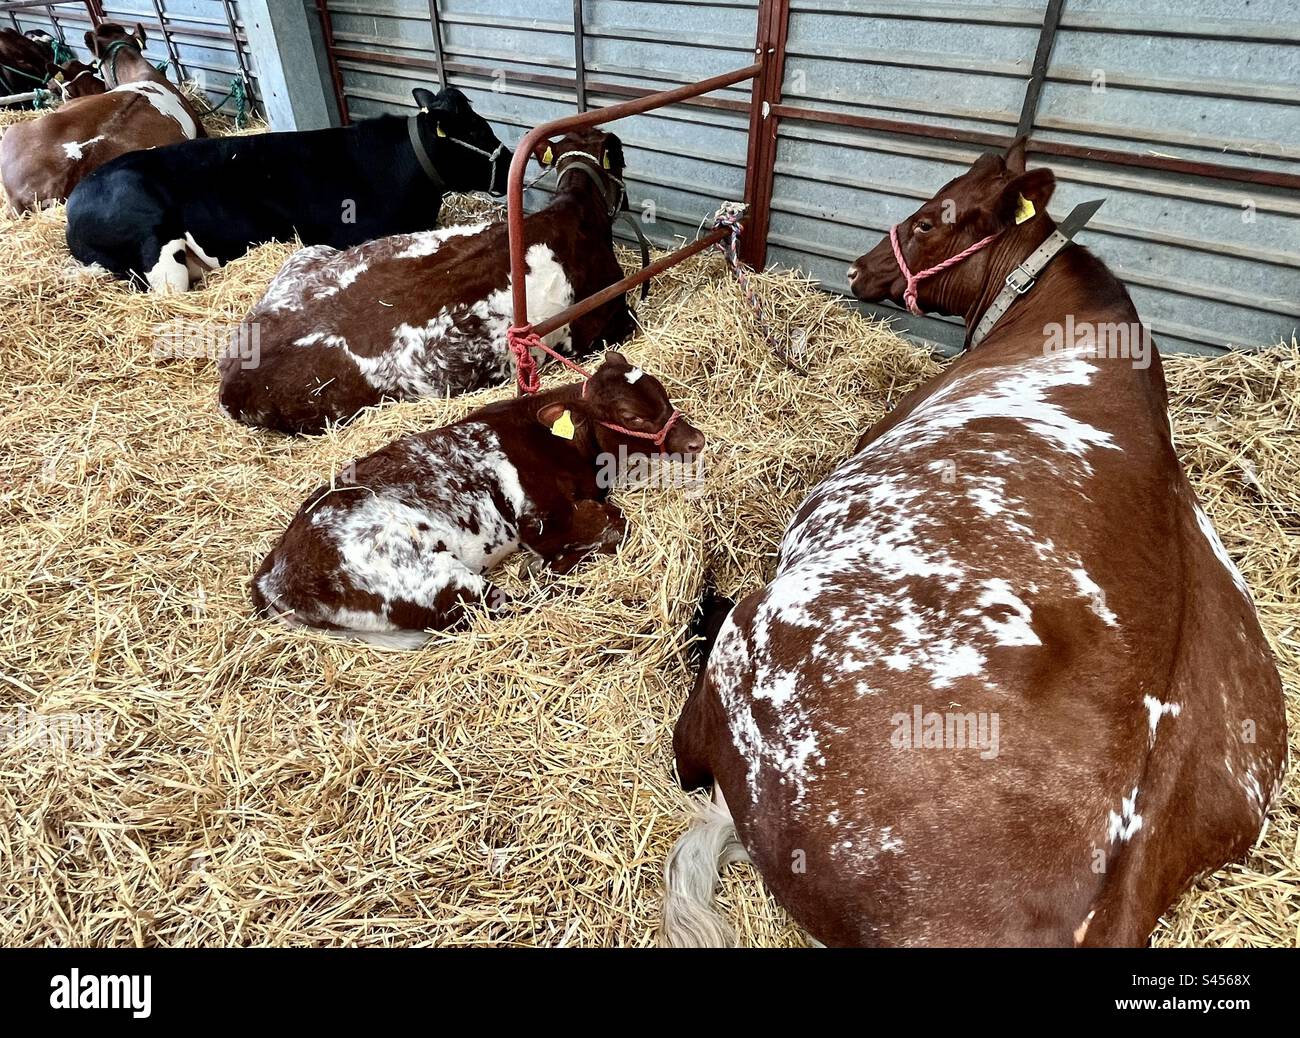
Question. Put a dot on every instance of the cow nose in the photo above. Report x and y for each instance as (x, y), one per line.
(693, 443)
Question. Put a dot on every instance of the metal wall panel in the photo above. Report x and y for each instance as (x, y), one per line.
(683, 161)
(1209, 262)
(200, 33)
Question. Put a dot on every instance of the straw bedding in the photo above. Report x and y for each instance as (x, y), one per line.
(233, 782)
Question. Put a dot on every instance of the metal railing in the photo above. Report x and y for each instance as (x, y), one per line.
(583, 120)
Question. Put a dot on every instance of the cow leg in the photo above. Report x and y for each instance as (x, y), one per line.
(591, 527)
(170, 272)
(198, 262)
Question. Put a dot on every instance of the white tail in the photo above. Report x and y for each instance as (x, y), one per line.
(691, 876)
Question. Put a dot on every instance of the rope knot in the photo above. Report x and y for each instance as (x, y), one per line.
(522, 340)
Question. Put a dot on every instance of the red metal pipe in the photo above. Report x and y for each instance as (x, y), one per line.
(631, 281)
(595, 117)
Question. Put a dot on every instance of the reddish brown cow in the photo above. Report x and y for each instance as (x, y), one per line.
(399, 545)
(44, 159)
(1007, 687)
(426, 314)
(23, 61)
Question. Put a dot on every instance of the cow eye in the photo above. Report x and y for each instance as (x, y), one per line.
(924, 226)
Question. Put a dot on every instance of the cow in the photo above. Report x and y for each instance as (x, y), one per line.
(399, 544)
(427, 314)
(23, 61)
(73, 79)
(163, 217)
(41, 161)
(1007, 687)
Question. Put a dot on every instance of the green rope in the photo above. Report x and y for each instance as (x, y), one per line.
(239, 94)
(62, 52)
(25, 75)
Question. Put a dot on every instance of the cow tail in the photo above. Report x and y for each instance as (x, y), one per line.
(691, 876)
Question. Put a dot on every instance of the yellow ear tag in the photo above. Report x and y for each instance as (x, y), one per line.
(563, 427)
(607, 160)
(1025, 210)
(441, 131)
(546, 156)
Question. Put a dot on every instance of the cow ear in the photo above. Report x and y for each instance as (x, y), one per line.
(90, 42)
(139, 35)
(560, 418)
(613, 155)
(614, 357)
(544, 153)
(423, 98)
(1026, 196)
(1015, 156)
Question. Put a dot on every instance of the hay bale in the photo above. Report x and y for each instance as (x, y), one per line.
(510, 784)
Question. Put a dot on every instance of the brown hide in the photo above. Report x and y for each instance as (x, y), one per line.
(42, 160)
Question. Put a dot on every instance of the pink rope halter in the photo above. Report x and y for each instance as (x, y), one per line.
(909, 293)
(522, 340)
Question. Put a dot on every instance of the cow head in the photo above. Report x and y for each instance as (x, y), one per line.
(73, 79)
(600, 152)
(994, 194)
(620, 400)
(481, 162)
(100, 40)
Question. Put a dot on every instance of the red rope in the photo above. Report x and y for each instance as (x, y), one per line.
(522, 341)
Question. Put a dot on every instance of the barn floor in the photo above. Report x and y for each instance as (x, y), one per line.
(216, 780)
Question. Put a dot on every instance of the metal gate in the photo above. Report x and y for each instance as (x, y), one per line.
(1184, 113)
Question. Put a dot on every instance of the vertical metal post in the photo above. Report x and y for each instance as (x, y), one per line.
(54, 21)
(327, 29)
(579, 57)
(1038, 74)
(435, 23)
(772, 31)
(172, 54)
(240, 57)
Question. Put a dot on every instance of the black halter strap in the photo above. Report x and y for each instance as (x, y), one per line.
(614, 202)
(422, 155)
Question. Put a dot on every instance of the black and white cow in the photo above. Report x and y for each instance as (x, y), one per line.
(166, 216)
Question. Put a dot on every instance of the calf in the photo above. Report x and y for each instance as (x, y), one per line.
(401, 545)
(1007, 687)
(427, 314)
(165, 216)
(43, 160)
(74, 79)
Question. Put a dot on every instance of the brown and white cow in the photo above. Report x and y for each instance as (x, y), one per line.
(1007, 687)
(74, 79)
(399, 545)
(43, 160)
(426, 314)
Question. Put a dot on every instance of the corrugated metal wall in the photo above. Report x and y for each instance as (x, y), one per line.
(515, 61)
(1209, 262)
(201, 42)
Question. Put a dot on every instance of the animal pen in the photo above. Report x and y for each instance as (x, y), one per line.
(180, 773)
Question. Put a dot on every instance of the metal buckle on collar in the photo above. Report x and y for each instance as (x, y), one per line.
(1020, 287)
